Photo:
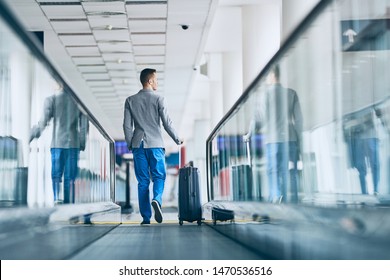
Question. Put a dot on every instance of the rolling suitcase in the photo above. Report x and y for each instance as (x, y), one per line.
(190, 208)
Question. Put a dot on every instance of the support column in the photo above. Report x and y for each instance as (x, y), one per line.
(261, 26)
(216, 94)
(216, 103)
(202, 131)
(232, 79)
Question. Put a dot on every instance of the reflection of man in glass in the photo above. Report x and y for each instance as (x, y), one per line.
(283, 118)
(68, 138)
(362, 142)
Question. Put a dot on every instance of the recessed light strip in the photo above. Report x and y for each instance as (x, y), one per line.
(164, 2)
(60, 3)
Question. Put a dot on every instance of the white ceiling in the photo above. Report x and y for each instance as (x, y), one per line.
(100, 46)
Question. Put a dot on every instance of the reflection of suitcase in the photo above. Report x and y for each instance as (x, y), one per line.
(190, 209)
(242, 182)
(242, 178)
(21, 186)
(13, 178)
(224, 182)
(9, 148)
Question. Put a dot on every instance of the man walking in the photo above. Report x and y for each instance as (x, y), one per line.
(142, 115)
(70, 128)
(284, 133)
(279, 117)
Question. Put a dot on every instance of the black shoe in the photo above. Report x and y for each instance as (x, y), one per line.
(145, 223)
(157, 211)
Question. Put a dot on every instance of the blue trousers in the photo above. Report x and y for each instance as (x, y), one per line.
(148, 163)
(280, 179)
(64, 162)
(367, 148)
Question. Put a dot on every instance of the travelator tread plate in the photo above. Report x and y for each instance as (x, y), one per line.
(54, 242)
(165, 241)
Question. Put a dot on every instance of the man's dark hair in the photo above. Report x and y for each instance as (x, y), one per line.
(276, 72)
(146, 75)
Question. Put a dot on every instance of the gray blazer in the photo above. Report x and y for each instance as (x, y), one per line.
(283, 115)
(70, 126)
(278, 115)
(143, 112)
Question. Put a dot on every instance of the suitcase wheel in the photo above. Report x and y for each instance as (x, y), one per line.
(199, 222)
(181, 222)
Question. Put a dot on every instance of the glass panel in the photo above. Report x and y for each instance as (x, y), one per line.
(50, 152)
(317, 128)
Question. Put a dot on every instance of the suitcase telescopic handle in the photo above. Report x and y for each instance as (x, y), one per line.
(248, 153)
(180, 164)
(248, 149)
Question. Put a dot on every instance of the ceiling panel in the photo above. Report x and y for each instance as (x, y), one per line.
(97, 83)
(112, 107)
(111, 35)
(193, 8)
(126, 57)
(115, 46)
(77, 40)
(83, 50)
(96, 76)
(148, 38)
(92, 69)
(36, 21)
(108, 101)
(149, 50)
(147, 10)
(107, 6)
(125, 87)
(102, 90)
(147, 25)
(121, 74)
(122, 93)
(63, 11)
(114, 21)
(149, 59)
(88, 60)
(74, 26)
(120, 66)
(111, 102)
(158, 67)
(124, 81)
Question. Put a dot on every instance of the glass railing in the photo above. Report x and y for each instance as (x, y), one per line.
(313, 128)
(52, 149)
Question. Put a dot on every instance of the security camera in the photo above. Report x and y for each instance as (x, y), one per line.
(184, 26)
